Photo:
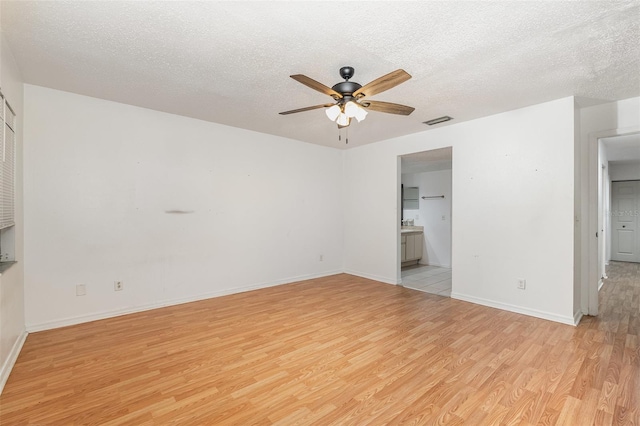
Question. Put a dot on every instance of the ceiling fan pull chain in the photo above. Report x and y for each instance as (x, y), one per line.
(347, 136)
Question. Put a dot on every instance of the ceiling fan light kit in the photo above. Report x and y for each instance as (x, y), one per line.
(353, 109)
(341, 113)
(333, 112)
(348, 96)
(343, 120)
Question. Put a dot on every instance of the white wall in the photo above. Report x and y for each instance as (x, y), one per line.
(624, 171)
(101, 176)
(434, 215)
(512, 212)
(12, 323)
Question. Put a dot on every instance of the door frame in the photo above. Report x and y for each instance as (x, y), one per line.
(590, 285)
(399, 210)
(603, 236)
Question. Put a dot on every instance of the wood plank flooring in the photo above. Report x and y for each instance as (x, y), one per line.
(335, 351)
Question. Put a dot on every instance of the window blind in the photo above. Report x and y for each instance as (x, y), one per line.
(7, 169)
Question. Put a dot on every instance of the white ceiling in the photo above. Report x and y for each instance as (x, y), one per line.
(229, 62)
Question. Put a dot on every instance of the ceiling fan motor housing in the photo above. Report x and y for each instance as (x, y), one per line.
(346, 88)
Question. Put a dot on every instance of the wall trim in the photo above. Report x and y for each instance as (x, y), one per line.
(49, 325)
(373, 277)
(577, 317)
(434, 264)
(569, 320)
(11, 359)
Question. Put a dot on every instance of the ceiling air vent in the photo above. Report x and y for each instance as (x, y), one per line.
(437, 120)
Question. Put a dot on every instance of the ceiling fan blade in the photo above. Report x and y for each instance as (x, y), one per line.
(383, 83)
(387, 107)
(293, 111)
(309, 82)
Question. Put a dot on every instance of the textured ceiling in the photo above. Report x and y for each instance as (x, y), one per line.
(229, 62)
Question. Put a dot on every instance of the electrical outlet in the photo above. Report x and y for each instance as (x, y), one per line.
(118, 285)
(321, 258)
(81, 290)
(522, 284)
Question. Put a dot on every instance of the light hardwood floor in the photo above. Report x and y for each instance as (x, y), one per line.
(337, 350)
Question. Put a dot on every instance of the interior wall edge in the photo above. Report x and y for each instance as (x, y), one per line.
(5, 371)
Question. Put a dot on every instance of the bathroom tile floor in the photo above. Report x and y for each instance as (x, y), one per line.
(427, 278)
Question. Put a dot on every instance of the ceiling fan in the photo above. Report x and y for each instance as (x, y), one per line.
(349, 96)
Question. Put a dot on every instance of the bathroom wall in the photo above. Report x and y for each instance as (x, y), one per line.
(434, 215)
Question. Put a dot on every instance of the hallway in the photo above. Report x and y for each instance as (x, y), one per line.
(619, 304)
(611, 342)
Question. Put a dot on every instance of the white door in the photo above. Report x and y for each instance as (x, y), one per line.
(625, 212)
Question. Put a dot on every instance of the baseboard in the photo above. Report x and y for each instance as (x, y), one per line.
(600, 284)
(11, 359)
(517, 309)
(435, 264)
(49, 325)
(577, 317)
(372, 277)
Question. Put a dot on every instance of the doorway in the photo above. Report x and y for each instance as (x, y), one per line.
(425, 221)
(625, 209)
(618, 162)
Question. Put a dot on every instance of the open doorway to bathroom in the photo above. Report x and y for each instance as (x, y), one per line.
(425, 229)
